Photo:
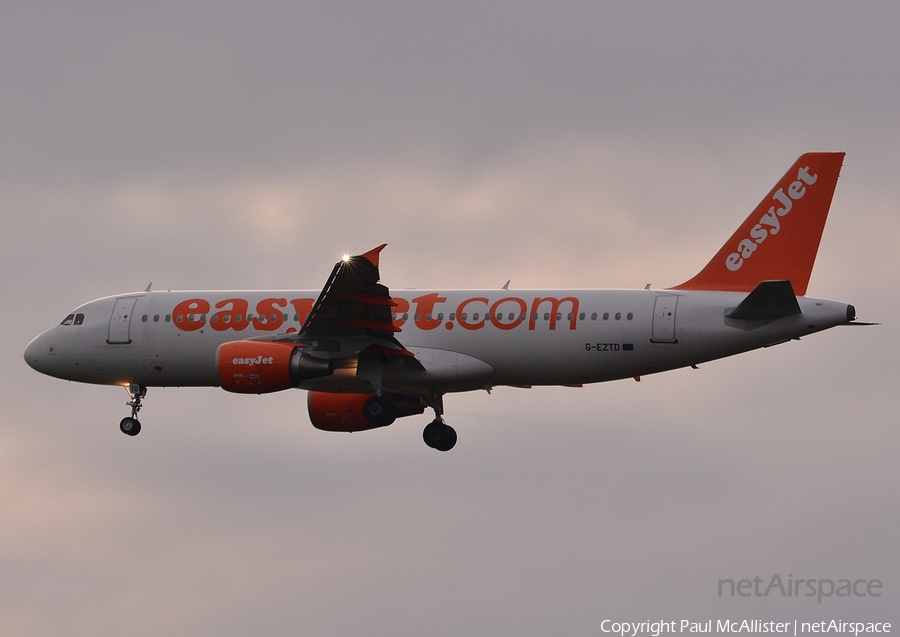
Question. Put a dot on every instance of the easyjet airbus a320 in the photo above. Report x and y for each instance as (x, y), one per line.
(368, 355)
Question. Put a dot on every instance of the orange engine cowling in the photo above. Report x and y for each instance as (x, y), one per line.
(254, 367)
(357, 412)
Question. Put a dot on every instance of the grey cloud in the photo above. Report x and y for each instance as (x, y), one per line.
(166, 88)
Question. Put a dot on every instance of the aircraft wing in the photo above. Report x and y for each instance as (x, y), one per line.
(352, 313)
(353, 303)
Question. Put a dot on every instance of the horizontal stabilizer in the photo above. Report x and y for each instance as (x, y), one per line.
(768, 300)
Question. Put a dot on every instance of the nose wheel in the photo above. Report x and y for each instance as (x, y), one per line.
(130, 425)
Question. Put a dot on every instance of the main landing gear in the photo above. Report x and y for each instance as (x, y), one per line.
(437, 434)
(130, 425)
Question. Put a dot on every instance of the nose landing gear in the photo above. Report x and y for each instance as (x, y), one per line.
(130, 425)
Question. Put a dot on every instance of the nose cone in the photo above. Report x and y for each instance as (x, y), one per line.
(38, 353)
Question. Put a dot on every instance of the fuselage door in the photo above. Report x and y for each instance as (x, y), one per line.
(664, 318)
(120, 322)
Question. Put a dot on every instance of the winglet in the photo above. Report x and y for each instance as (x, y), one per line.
(780, 238)
(372, 255)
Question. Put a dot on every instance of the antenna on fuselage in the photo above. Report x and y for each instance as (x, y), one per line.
(147, 289)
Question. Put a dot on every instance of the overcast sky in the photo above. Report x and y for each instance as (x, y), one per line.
(228, 145)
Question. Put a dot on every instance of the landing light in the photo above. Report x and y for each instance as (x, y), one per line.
(345, 258)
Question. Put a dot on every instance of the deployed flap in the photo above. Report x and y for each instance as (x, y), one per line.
(768, 300)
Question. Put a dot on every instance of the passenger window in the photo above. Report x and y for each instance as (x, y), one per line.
(68, 320)
(144, 318)
(593, 316)
(618, 315)
(452, 316)
(581, 316)
(79, 319)
(630, 316)
(168, 317)
(606, 316)
(156, 318)
(546, 316)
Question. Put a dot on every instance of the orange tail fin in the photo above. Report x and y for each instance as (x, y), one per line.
(780, 238)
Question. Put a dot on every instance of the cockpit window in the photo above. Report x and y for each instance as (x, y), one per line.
(73, 319)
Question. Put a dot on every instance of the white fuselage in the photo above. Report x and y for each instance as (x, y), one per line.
(464, 339)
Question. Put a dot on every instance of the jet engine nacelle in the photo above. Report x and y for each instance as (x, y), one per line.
(255, 367)
(357, 412)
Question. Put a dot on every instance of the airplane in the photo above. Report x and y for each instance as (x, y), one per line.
(368, 355)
